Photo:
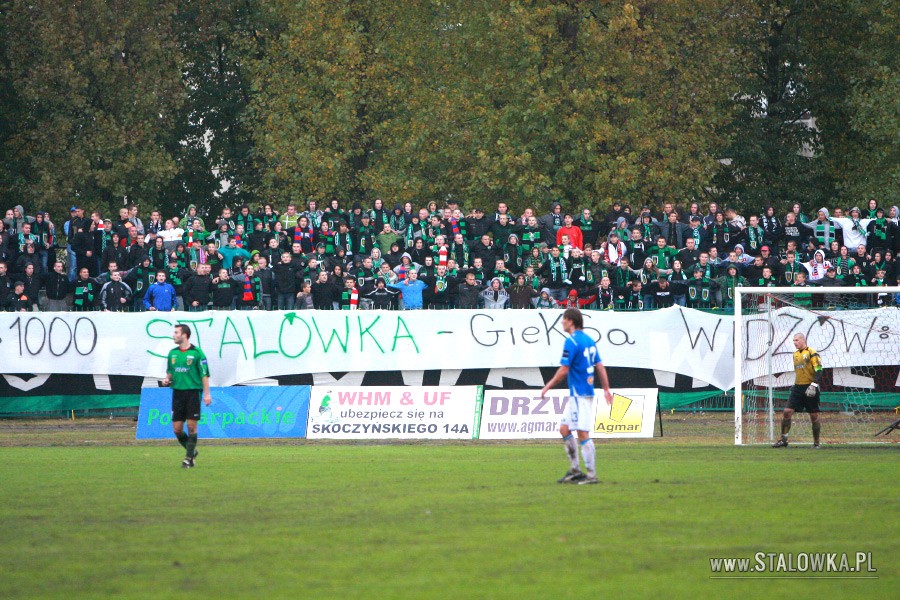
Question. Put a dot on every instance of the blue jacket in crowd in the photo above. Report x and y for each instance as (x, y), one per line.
(412, 292)
(160, 296)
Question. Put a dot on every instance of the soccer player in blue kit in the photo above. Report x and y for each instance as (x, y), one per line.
(580, 361)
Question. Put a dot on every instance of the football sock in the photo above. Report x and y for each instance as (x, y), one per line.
(571, 450)
(191, 444)
(587, 453)
(816, 427)
(182, 439)
(785, 427)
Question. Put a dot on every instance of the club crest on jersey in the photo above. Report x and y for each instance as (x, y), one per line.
(190, 360)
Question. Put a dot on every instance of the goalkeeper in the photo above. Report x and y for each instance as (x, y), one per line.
(804, 392)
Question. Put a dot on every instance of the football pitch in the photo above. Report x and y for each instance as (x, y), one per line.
(95, 514)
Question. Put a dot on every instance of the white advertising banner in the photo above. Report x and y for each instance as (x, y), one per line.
(246, 345)
(414, 413)
(525, 415)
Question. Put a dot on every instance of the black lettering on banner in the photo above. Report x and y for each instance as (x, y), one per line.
(18, 325)
(531, 330)
(43, 336)
(50, 337)
(496, 332)
(848, 344)
(820, 347)
(625, 338)
(93, 337)
(551, 327)
(731, 337)
(388, 428)
(788, 335)
(695, 339)
(749, 335)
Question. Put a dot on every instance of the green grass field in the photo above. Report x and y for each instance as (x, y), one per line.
(100, 515)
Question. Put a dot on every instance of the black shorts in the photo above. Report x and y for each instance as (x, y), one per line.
(185, 405)
(799, 401)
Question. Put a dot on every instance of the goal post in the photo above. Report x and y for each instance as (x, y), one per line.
(855, 330)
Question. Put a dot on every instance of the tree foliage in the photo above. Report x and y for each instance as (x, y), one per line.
(856, 97)
(528, 101)
(212, 138)
(817, 119)
(524, 102)
(99, 84)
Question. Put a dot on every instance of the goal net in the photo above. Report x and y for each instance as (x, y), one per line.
(856, 332)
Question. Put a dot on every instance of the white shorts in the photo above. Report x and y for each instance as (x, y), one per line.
(579, 413)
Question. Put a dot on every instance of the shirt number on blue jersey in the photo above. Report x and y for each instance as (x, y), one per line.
(590, 355)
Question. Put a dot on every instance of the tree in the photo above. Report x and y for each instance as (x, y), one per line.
(769, 156)
(211, 141)
(524, 102)
(643, 101)
(100, 83)
(817, 116)
(13, 169)
(855, 95)
(610, 100)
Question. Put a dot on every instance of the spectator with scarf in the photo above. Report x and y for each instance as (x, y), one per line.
(880, 232)
(556, 273)
(817, 266)
(823, 230)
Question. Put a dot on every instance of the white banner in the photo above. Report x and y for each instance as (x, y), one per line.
(843, 339)
(246, 345)
(366, 413)
(525, 415)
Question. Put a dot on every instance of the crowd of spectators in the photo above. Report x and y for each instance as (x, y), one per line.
(438, 257)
